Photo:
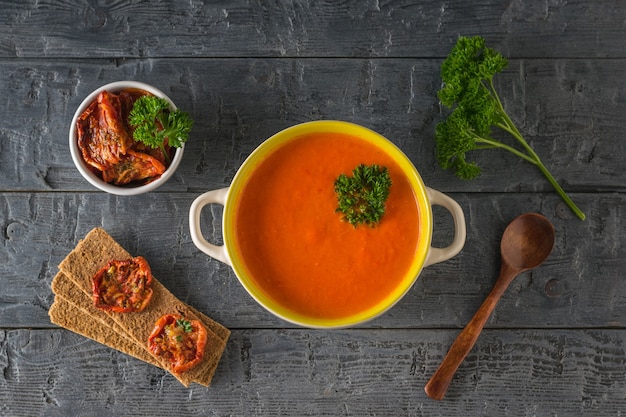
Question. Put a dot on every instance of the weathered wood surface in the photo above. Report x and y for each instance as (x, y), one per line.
(580, 285)
(551, 28)
(338, 373)
(245, 70)
(571, 111)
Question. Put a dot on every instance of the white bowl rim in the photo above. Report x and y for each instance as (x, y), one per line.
(82, 166)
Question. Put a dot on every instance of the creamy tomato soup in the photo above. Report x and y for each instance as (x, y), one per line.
(295, 245)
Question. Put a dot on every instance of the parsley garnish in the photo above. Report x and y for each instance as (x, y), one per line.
(154, 122)
(361, 198)
(185, 324)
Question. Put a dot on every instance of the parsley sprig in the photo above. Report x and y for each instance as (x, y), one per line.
(468, 88)
(185, 324)
(361, 198)
(154, 123)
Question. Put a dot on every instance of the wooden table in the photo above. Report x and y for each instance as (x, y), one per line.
(556, 344)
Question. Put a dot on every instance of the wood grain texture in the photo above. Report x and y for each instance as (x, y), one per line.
(41, 228)
(569, 110)
(244, 70)
(339, 373)
(575, 28)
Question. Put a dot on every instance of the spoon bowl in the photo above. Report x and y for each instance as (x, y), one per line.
(526, 243)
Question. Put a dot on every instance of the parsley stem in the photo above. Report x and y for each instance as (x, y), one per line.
(468, 88)
(496, 144)
(162, 118)
(537, 161)
(510, 127)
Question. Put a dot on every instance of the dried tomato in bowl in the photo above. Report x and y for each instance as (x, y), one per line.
(103, 126)
(105, 140)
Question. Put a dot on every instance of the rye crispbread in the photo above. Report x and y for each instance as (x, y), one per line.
(64, 286)
(91, 254)
(92, 321)
(63, 313)
(75, 311)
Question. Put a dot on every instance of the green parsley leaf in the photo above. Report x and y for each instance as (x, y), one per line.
(468, 89)
(361, 198)
(185, 324)
(155, 124)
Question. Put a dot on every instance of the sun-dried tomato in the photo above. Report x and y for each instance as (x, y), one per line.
(180, 341)
(106, 143)
(134, 166)
(102, 136)
(123, 286)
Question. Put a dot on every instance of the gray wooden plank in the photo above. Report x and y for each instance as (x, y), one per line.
(323, 373)
(244, 70)
(581, 284)
(570, 110)
(575, 28)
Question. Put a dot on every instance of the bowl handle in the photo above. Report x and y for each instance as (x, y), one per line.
(436, 255)
(210, 197)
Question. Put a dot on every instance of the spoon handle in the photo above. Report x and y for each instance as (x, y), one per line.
(440, 381)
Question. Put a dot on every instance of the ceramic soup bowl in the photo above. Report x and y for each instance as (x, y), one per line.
(292, 250)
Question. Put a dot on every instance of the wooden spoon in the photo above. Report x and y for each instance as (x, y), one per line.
(525, 244)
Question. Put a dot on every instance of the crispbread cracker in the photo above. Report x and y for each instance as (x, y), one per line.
(63, 313)
(75, 311)
(97, 249)
(91, 320)
(64, 286)
(66, 314)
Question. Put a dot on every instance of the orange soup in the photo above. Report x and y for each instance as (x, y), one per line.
(295, 245)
